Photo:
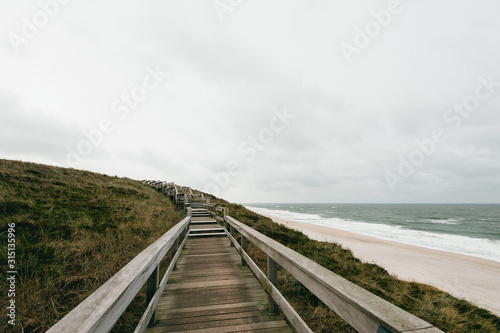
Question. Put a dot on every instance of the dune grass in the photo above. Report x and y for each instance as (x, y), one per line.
(75, 229)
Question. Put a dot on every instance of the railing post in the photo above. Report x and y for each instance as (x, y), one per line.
(231, 231)
(272, 275)
(189, 211)
(185, 234)
(244, 246)
(175, 247)
(152, 285)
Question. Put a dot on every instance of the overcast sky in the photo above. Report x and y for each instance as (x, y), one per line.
(260, 101)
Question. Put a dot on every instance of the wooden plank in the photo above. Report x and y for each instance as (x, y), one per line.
(215, 293)
(269, 330)
(212, 283)
(215, 307)
(180, 304)
(207, 266)
(202, 219)
(214, 271)
(220, 323)
(216, 296)
(221, 274)
(218, 317)
(204, 258)
(279, 324)
(205, 255)
(219, 310)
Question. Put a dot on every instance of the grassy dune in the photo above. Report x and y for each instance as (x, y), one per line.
(75, 229)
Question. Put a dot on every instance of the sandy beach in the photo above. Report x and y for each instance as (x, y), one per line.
(474, 279)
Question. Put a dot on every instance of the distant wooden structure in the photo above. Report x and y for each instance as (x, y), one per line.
(212, 285)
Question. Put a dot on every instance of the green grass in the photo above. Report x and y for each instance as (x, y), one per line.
(76, 229)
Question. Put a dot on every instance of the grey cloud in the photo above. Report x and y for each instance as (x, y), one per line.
(31, 131)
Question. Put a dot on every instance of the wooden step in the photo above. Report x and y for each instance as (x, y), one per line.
(198, 231)
(204, 222)
(212, 234)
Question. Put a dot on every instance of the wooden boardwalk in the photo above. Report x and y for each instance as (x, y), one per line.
(210, 291)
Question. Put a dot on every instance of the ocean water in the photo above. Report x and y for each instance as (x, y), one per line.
(470, 229)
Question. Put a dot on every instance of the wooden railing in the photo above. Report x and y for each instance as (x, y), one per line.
(363, 310)
(100, 311)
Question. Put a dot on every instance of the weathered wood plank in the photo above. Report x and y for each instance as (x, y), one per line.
(221, 274)
(180, 311)
(220, 310)
(207, 259)
(170, 305)
(279, 324)
(211, 297)
(237, 282)
(217, 317)
(193, 275)
(223, 323)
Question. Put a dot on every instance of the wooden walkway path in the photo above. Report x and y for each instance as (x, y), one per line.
(210, 291)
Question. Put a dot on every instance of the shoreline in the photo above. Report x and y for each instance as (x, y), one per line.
(474, 279)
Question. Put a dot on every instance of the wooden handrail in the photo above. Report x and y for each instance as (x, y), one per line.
(363, 310)
(100, 311)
